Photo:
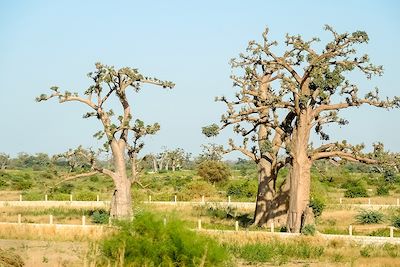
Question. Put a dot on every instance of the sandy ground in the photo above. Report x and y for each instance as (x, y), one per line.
(47, 253)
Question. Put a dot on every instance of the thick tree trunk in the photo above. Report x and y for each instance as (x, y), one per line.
(271, 204)
(299, 201)
(121, 204)
(300, 178)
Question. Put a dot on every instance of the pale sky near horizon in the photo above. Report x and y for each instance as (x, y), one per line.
(45, 43)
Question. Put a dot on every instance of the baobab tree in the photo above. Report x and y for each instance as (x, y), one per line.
(4, 160)
(107, 82)
(314, 89)
(254, 116)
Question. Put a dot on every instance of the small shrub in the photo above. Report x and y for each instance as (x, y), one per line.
(22, 184)
(365, 251)
(86, 196)
(354, 188)
(100, 217)
(308, 229)
(382, 190)
(242, 189)
(59, 196)
(337, 257)
(396, 221)
(217, 212)
(65, 188)
(213, 171)
(390, 176)
(317, 206)
(369, 217)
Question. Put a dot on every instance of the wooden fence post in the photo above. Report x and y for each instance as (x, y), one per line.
(19, 218)
(391, 231)
(236, 226)
(351, 230)
(83, 220)
(51, 219)
(199, 224)
(272, 227)
(45, 197)
(70, 197)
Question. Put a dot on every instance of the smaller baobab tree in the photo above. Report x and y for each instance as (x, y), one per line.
(254, 115)
(107, 82)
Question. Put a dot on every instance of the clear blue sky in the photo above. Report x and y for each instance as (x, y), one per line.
(45, 43)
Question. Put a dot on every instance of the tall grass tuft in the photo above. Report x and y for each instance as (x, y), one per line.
(146, 241)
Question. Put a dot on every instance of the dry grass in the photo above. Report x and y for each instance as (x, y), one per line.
(9, 195)
(52, 232)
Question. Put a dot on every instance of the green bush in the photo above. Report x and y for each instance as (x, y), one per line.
(100, 217)
(277, 251)
(354, 188)
(215, 211)
(22, 184)
(213, 171)
(390, 176)
(65, 188)
(197, 189)
(308, 229)
(86, 196)
(242, 189)
(59, 197)
(146, 241)
(32, 196)
(369, 217)
(382, 190)
(396, 221)
(317, 206)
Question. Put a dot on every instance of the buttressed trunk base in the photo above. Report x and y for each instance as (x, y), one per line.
(121, 202)
(271, 205)
(299, 196)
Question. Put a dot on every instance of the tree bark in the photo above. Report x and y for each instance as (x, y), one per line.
(271, 204)
(300, 178)
(121, 203)
(121, 206)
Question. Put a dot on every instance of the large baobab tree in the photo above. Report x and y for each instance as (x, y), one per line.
(315, 89)
(108, 82)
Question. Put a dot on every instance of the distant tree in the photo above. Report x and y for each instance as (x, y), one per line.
(107, 82)
(177, 157)
(4, 160)
(211, 151)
